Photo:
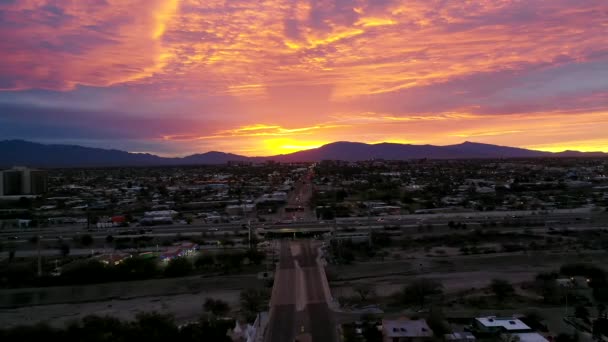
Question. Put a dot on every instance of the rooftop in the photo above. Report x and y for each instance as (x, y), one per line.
(406, 328)
(508, 323)
(530, 337)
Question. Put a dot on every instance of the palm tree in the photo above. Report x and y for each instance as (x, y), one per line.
(601, 310)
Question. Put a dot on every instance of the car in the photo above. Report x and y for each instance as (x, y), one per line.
(213, 229)
(13, 237)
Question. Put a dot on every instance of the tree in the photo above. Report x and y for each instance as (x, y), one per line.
(563, 337)
(137, 268)
(209, 328)
(178, 267)
(502, 289)
(154, 327)
(582, 313)
(217, 307)
(420, 289)
(33, 239)
(255, 257)
(546, 285)
(600, 327)
(437, 323)
(86, 240)
(253, 301)
(601, 310)
(96, 328)
(364, 291)
(64, 249)
(204, 260)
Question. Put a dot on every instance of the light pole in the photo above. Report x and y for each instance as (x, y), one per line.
(39, 257)
(249, 231)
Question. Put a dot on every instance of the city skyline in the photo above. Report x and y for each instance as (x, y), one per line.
(181, 77)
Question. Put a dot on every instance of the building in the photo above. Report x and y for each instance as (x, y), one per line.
(523, 337)
(405, 330)
(459, 337)
(498, 325)
(23, 181)
(113, 258)
(239, 209)
(11, 183)
(160, 213)
(183, 249)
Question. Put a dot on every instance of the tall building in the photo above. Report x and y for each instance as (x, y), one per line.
(23, 181)
(12, 181)
(39, 182)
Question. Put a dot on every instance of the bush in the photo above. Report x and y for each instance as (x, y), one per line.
(216, 306)
(502, 289)
(419, 290)
(254, 301)
(204, 260)
(178, 267)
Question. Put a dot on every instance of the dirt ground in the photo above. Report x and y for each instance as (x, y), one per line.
(182, 297)
(185, 307)
(455, 272)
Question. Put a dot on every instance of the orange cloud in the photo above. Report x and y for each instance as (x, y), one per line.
(243, 47)
(320, 71)
(84, 43)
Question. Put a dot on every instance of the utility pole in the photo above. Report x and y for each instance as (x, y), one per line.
(369, 226)
(249, 229)
(39, 257)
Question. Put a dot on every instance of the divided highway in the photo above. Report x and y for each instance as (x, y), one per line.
(299, 308)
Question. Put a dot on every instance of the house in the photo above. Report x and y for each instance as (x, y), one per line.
(183, 249)
(405, 330)
(523, 337)
(113, 258)
(160, 213)
(496, 325)
(459, 337)
(239, 209)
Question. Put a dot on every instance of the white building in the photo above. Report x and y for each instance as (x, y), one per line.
(405, 330)
(459, 337)
(524, 337)
(20, 181)
(493, 324)
(160, 213)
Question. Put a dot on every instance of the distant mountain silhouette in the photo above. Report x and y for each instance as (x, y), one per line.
(20, 152)
(213, 157)
(477, 150)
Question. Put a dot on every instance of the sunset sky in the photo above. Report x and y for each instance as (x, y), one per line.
(256, 77)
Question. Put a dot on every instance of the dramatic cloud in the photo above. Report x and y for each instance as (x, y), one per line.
(273, 76)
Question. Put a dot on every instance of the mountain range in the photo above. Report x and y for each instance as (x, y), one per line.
(20, 152)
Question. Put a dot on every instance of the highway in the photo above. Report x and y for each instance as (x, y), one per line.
(299, 309)
(559, 218)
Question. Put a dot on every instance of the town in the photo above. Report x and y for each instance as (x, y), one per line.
(421, 250)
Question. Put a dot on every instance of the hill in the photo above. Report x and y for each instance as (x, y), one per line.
(20, 152)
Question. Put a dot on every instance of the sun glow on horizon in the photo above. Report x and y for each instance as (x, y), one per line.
(278, 76)
(288, 145)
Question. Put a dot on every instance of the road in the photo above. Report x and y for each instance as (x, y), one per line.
(559, 219)
(299, 305)
(299, 198)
